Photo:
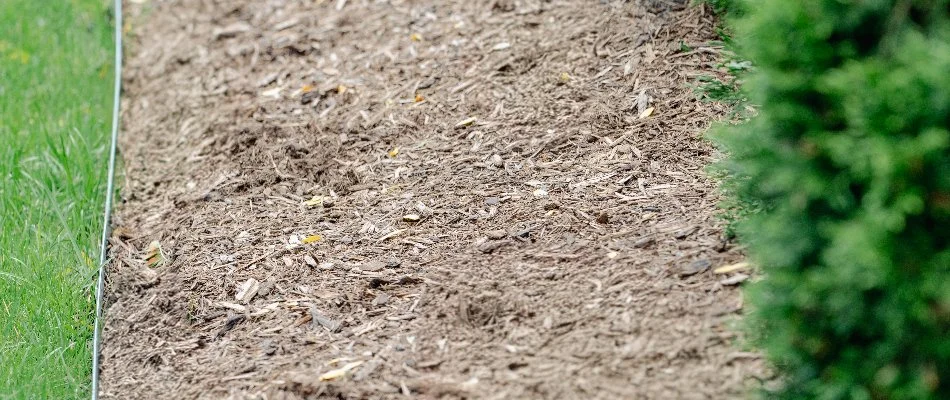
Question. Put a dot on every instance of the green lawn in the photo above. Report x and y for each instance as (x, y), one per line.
(55, 110)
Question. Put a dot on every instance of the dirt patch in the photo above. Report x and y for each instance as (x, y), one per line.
(445, 199)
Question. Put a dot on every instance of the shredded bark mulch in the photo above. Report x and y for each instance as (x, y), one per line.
(433, 199)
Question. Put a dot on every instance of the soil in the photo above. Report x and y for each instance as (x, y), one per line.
(433, 199)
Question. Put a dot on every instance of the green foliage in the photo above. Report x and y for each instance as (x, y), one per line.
(55, 108)
(725, 90)
(735, 204)
(728, 89)
(849, 159)
(732, 7)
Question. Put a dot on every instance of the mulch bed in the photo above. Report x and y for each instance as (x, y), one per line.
(434, 198)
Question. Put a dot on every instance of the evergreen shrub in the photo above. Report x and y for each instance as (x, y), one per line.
(848, 164)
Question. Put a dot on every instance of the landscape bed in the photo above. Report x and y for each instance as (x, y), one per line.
(455, 199)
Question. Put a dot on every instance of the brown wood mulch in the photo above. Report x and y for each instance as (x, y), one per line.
(363, 199)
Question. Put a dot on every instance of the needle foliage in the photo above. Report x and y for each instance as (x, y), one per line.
(847, 162)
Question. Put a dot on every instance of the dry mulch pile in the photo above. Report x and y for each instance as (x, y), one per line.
(433, 198)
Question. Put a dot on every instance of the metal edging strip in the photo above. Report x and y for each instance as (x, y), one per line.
(110, 193)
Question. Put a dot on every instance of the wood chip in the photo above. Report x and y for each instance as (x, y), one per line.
(643, 242)
(491, 247)
(497, 161)
(340, 372)
(643, 103)
(734, 280)
(391, 235)
(731, 268)
(695, 267)
(646, 113)
(497, 234)
(310, 260)
(466, 122)
(248, 290)
(232, 306)
(232, 321)
(231, 30)
(319, 319)
(373, 266)
(381, 299)
(683, 233)
(286, 24)
(275, 93)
